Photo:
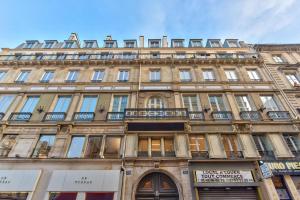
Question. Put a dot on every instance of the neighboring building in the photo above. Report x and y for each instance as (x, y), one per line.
(84, 121)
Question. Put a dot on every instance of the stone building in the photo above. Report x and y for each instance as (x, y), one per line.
(170, 119)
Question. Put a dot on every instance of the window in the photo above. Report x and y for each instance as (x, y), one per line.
(76, 147)
(6, 144)
(106, 55)
(83, 56)
(112, 146)
(281, 188)
(262, 144)
(231, 75)
(109, 44)
(48, 44)
(129, 44)
(123, 75)
(143, 147)
(180, 55)
(185, 75)
(217, 103)
(155, 147)
(44, 146)
(29, 45)
(63, 196)
(215, 43)
(253, 75)
(47, 76)
(98, 76)
(88, 44)
(278, 59)
(208, 75)
(231, 146)
(60, 56)
(89, 104)
(154, 44)
(198, 146)
(5, 102)
(243, 103)
(155, 75)
(62, 104)
(2, 75)
(154, 55)
(292, 78)
(293, 142)
(196, 43)
(156, 103)
(232, 44)
(39, 56)
(159, 146)
(93, 147)
(178, 43)
(30, 104)
(23, 75)
(72, 76)
(269, 103)
(68, 44)
(119, 103)
(191, 102)
(129, 55)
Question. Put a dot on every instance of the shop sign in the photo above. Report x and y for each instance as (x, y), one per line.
(224, 176)
(265, 170)
(284, 167)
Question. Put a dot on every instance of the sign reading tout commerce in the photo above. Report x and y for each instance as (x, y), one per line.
(224, 176)
(284, 167)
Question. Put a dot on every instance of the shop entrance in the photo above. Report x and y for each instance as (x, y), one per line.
(245, 193)
(157, 186)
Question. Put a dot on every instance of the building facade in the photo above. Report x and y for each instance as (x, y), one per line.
(166, 120)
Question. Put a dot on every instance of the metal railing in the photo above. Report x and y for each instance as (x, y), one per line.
(156, 154)
(200, 154)
(115, 116)
(296, 154)
(196, 116)
(20, 116)
(83, 116)
(54, 116)
(142, 153)
(2, 115)
(170, 154)
(267, 155)
(221, 115)
(250, 115)
(151, 113)
(234, 154)
(279, 115)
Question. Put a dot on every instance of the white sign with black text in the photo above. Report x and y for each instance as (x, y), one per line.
(224, 176)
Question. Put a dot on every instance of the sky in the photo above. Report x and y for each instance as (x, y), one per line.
(253, 21)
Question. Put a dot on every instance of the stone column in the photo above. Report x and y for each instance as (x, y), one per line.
(291, 187)
(73, 106)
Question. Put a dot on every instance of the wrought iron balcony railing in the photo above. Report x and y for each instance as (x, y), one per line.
(196, 116)
(20, 116)
(151, 113)
(83, 116)
(155, 154)
(267, 155)
(55, 116)
(142, 153)
(234, 154)
(279, 115)
(221, 115)
(2, 115)
(250, 115)
(200, 154)
(115, 116)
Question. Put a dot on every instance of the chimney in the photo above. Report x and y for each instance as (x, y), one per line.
(165, 42)
(141, 41)
(108, 37)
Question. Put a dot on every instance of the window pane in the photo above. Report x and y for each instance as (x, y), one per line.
(208, 75)
(7, 143)
(76, 147)
(99, 196)
(63, 196)
(119, 103)
(269, 103)
(191, 103)
(112, 146)
(143, 144)
(98, 75)
(243, 103)
(155, 145)
(48, 75)
(30, 104)
(2, 75)
(169, 144)
(44, 146)
(23, 76)
(155, 102)
(89, 104)
(217, 103)
(93, 147)
(62, 104)
(198, 143)
(5, 102)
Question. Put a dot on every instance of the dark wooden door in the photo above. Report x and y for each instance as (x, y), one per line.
(157, 186)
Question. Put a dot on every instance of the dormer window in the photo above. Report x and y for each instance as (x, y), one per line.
(232, 44)
(48, 44)
(215, 44)
(129, 44)
(195, 43)
(177, 43)
(68, 44)
(154, 43)
(90, 44)
(29, 44)
(110, 44)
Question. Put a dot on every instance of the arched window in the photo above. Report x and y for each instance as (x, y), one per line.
(155, 102)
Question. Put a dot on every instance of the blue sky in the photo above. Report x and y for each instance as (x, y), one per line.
(255, 21)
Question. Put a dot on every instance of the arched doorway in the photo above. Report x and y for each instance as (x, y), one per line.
(157, 186)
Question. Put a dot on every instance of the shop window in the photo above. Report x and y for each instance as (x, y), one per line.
(6, 144)
(44, 146)
(159, 146)
(63, 196)
(76, 147)
(280, 187)
(231, 146)
(198, 146)
(13, 196)
(99, 196)
(93, 147)
(112, 146)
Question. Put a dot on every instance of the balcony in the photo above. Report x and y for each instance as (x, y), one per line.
(54, 116)
(250, 115)
(279, 115)
(115, 116)
(2, 115)
(83, 116)
(266, 155)
(155, 154)
(20, 116)
(221, 115)
(143, 154)
(153, 114)
(234, 155)
(200, 154)
(196, 116)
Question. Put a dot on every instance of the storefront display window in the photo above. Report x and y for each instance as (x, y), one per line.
(63, 196)
(98, 196)
(13, 196)
(280, 186)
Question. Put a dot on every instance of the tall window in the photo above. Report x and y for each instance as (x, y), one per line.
(253, 75)
(62, 104)
(191, 102)
(5, 102)
(155, 102)
(119, 103)
(243, 103)
(2, 75)
(154, 44)
(231, 75)
(217, 103)
(159, 146)
(48, 44)
(6, 144)
(143, 147)
(155, 147)
(76, 147)
(231, 146)
(293, 142)
(89, 104)
(278, 58)
(292, 78)
(23, 75)
(72, 76)
(269, 103)
(169, 146)
(47, 76)
(93, 147)
(30, 104)
(208, 75)
(155, 75)
(185, 75)
(112, 146)
(198, 146)
(98, 75)
(123, 75)
(44, 146)
(262, 144)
